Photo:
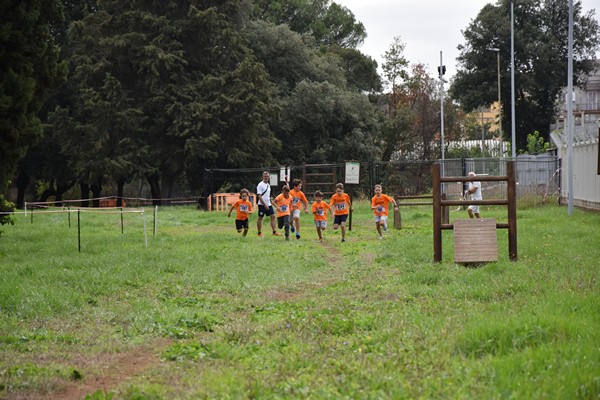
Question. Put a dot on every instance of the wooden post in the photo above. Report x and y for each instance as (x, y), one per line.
(437, 214)
(397, 216)
(304, 174)
(445, 212)
(512, 211)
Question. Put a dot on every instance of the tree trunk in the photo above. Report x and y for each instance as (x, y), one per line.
(154, 189)
(96, 189)
(85, 194)
(22, 182)
(120, 186)
(48, 192)
(62, 189)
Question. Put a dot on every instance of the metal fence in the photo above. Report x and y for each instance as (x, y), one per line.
(538, 178)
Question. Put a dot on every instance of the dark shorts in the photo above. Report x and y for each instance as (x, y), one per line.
(339, 219)
(262, 211)
(241, 223)
(283, 221)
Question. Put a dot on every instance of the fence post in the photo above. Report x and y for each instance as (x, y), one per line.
(437, 217)
(79, 230)
(512, 210)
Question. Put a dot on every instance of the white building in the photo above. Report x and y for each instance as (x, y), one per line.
(586, 156)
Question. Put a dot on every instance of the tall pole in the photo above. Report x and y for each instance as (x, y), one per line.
(482, 133)
(571, 124)
(497, 50)
(512, 81)
(500, 108)
(441, 72)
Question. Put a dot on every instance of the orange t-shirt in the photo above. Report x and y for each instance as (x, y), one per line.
(320, 210)
(242, 209)
(340, 203)
(298, 198)
(382, 203)
(284, 204)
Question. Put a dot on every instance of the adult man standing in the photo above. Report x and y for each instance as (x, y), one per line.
(263, 199)
(475, 192)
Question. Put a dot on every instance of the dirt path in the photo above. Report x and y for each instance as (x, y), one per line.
(107, 372)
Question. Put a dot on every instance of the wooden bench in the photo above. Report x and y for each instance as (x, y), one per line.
(475, 240)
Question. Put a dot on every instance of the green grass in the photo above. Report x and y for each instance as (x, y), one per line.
(216, 315)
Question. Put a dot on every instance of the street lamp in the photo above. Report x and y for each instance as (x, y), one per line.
(513, 123)
(497, 50)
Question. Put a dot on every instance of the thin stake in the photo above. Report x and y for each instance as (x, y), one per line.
(122, 228)
(145, 233)
(155, 219)
(69, 216)
(79, 230)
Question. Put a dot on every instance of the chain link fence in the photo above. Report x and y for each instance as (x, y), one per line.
(538, 178)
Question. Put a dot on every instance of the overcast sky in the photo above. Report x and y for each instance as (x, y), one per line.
(425, 26)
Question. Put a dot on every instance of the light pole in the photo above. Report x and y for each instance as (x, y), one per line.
(441, 72)
(512, 80)
(497, 50)
(571, 123)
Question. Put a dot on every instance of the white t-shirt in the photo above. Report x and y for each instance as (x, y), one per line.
(266, 188)
(476, 195)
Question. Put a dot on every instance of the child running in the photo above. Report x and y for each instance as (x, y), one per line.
(319, 210)
(243, 209)
(283, 202)
(340, 202)
(297, 198)
(379, 205)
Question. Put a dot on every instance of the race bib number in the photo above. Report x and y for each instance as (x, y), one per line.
(320, 212)
(380, 209)
(244, 208)
(340, 206)
(296, 200)
(283, 208)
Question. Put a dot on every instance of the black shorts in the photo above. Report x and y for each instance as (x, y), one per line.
(283, 221)
(338, 219)
(241, 223)
(262, 211)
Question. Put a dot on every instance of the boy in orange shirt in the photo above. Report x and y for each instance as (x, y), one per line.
(340, 202)
(379, 205)
(319, 210)
(297, 198)
(243, 209)
(283, 204)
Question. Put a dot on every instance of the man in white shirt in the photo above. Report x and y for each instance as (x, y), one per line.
(263, 199)
(475, 192)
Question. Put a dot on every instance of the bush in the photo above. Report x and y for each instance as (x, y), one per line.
(6, 206)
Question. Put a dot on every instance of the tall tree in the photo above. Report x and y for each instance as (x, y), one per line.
(172, 85)
(327, 22)
(540, 31)
(29, 70)
(323, 123)
(395, 72)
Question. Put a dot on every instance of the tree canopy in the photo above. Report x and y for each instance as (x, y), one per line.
(540, 37)
(101, 92)
(29, 70)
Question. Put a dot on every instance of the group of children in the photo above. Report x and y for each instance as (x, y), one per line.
(289, 204)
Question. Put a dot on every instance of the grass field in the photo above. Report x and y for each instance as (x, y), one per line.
(204, 313)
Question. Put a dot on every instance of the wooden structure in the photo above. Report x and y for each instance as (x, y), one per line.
(224, 201)
(510, 202)
(475, 240)
(321, 177)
